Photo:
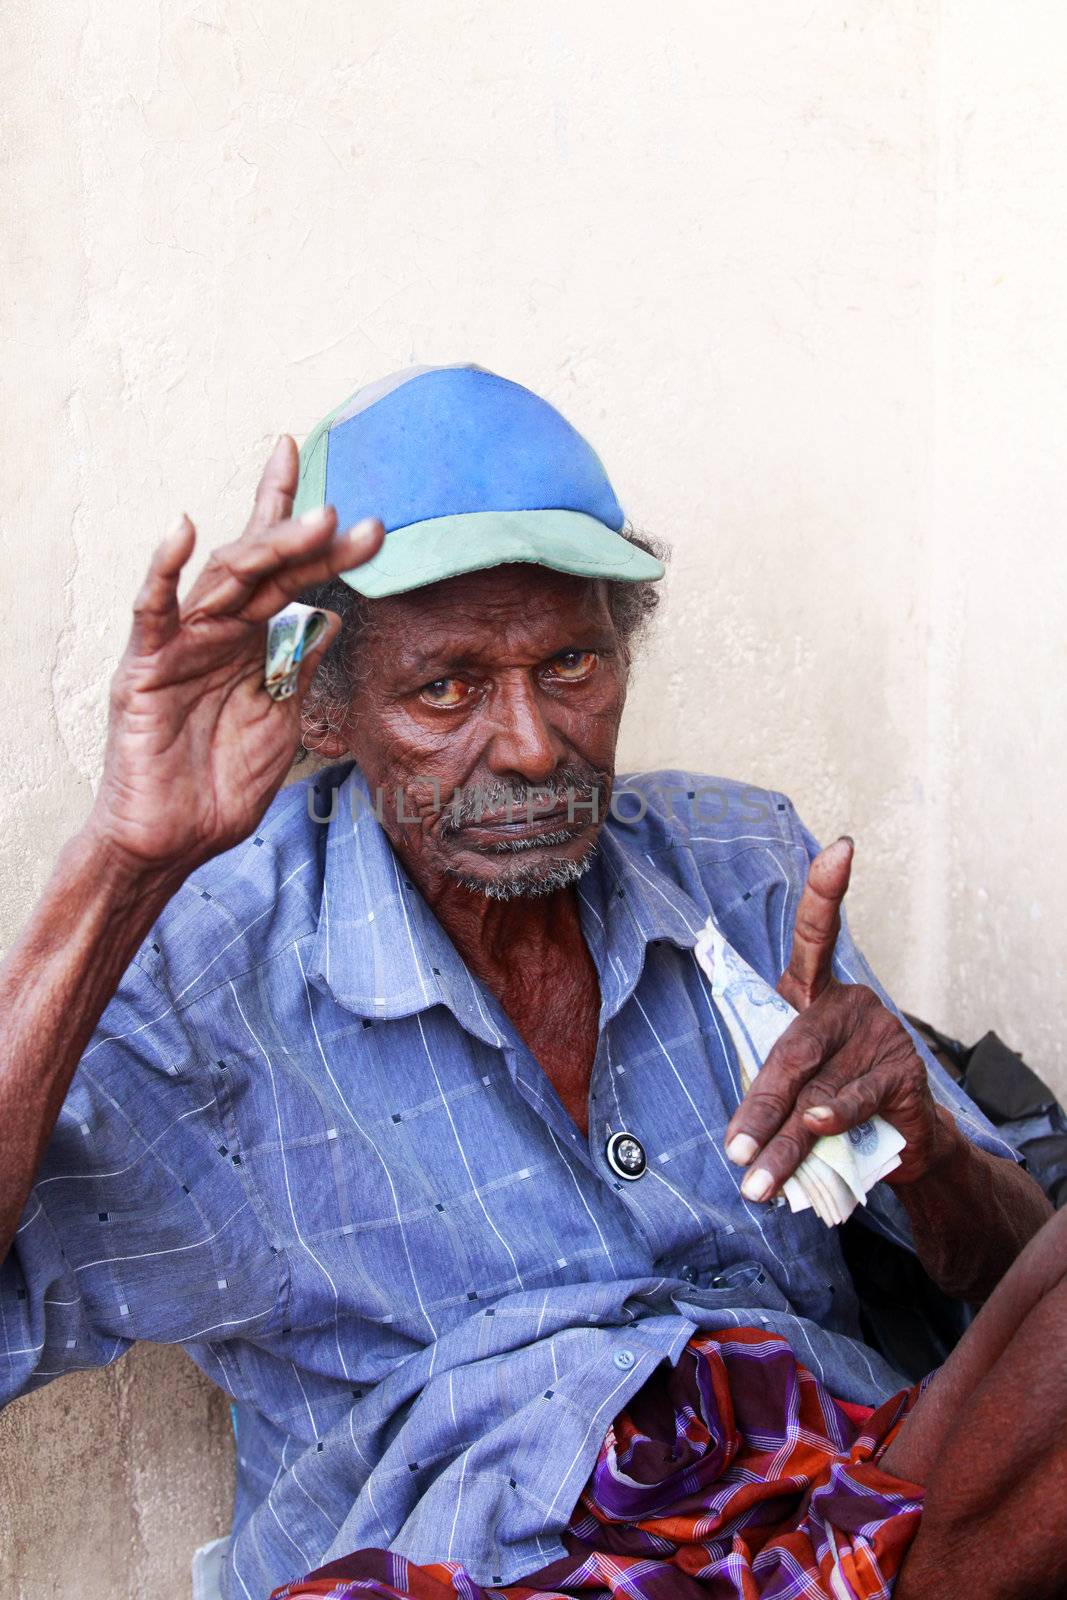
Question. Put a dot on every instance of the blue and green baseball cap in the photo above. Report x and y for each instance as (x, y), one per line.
(465, 470)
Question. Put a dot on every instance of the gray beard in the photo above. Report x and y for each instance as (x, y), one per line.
(529, 880)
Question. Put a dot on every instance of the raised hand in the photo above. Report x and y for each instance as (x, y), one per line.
(196, 749)
(844, 1058)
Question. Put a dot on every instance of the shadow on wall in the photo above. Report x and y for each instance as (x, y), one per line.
(134, 1469)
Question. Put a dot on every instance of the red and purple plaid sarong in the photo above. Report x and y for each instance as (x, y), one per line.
(734, 1475)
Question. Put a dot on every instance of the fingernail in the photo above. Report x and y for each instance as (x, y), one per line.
(846, 838)
(278, 443)
(758, 1184)
(315, 518)
(741, 1149)
(819, 1113)
(362, 528)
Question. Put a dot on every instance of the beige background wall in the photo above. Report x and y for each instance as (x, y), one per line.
(798, 271)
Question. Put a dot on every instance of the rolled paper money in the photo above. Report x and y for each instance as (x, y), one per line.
(842, 1168)
(291, 633)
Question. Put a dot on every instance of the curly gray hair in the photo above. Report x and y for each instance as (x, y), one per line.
(327, 707)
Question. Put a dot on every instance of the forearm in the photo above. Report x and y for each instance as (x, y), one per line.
(54, 984)
(971, 1214)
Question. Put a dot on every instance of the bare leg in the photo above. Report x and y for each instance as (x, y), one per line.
(989, 1442)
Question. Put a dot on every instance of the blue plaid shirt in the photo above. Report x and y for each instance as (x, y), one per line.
(307, 1144)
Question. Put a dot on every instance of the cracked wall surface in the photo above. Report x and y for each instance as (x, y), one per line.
(796, 270)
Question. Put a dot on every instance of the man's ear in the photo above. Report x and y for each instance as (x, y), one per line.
(319, 739)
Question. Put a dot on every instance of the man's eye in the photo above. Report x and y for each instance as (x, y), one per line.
(573, 665)
(446, 692)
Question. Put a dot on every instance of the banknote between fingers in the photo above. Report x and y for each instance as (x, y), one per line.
(291, 633)
(842, 1168)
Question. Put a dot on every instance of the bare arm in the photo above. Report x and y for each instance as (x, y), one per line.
(196, 751)
(54, 986)
(965, 1196)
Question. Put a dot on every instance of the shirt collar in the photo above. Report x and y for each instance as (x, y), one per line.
(383, 954)
(628, 903)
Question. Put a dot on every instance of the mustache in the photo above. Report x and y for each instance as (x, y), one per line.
(579, 787)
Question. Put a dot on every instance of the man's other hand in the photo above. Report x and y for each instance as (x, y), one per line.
(196, 749)
(844, 1058)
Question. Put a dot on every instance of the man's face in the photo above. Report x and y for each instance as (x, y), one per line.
(490, 704)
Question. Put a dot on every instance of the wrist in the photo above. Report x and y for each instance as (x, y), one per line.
(94, 859)
(121, 871)
(946, 1149)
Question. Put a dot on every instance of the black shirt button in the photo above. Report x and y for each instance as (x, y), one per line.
(625, 1156)
(690, 1274)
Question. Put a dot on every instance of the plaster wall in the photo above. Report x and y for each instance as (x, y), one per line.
(796, 270)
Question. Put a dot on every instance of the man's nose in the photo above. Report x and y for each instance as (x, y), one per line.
(523, 741)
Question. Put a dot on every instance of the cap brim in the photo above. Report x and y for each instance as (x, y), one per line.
(443, 547)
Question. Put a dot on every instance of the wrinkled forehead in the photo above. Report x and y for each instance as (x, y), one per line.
(520, 611)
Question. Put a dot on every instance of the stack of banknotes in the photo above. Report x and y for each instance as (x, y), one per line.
(842, 1168)
(290, 635)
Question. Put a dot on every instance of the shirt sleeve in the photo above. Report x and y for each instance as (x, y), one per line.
(883, 1210)
(133, 1222)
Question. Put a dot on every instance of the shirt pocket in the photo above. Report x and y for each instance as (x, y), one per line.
(720, 1264)
(741, 1283)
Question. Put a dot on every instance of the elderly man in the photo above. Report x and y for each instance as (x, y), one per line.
(401, 1100)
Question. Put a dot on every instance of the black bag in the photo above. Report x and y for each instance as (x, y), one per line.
(1015, 1100)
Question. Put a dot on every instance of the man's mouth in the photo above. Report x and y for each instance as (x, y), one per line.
(498, 811)
(554, 826)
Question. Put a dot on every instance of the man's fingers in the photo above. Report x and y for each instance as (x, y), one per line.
(257, 578)
(794, 1058)
(349, 550)
(833, 1068)
(833, 1111)
(778, 1160)
(843, 1080)
(817, 924)
(273, 500)
(810, 1043)
(233, 572)
(887, 1075)
(156, 616)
